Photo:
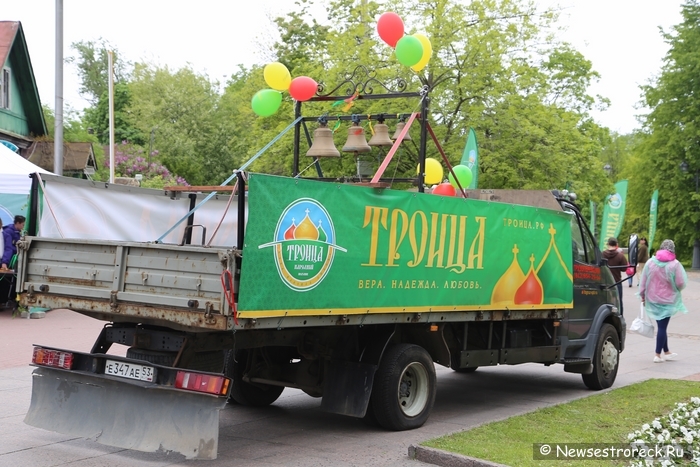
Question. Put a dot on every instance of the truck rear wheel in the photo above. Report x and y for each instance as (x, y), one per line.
(404, 388)
(242, 392)
(606, 359)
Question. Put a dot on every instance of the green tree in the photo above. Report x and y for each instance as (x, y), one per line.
(672, 130)
(92, 62)
(124, 126)
(74, 129)
(180, 109)
(494, 67)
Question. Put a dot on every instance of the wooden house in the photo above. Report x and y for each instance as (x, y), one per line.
(78, 158)
(21, 115)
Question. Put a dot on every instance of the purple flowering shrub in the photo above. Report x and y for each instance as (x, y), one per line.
(129, 160)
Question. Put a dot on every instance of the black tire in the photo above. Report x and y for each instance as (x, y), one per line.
(252, 395)
(404, 388)
(212, 362)
(606, 359)
(471, 369)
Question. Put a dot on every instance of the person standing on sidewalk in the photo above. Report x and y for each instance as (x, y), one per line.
(615, 257)
(642, 257)
(662, 280)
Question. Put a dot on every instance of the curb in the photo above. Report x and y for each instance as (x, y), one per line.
(447, 459)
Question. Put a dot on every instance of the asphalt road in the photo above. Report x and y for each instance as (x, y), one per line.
(294, 431)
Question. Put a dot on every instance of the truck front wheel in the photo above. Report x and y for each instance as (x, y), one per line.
(606, 359)
(404, 388)
(242, 392)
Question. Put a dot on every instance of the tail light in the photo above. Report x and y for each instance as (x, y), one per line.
(53, 358)
(211, 384)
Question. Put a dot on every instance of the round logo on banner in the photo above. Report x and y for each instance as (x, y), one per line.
(304, 244)
(615, 201)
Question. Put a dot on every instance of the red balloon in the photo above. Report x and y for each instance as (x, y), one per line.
(303, 88)
(444, 189)
(390, 28)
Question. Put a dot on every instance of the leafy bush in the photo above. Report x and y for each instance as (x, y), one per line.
(129, 160)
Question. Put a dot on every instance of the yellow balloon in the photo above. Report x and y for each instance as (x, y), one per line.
(433, 171)
(427, 52)
(277, 76)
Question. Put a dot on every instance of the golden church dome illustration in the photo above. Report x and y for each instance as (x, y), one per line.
(306, 230)
(506, 287)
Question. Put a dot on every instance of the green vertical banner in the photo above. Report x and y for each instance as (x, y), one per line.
(470, 158)
(653, 209)
(614, 213)
(593, 216)
(318, 248)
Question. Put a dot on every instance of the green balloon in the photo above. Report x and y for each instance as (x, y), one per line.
(266, 102)
(409, 50)
(464, 175)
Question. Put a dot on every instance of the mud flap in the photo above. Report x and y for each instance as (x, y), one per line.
(348, 387)
(125, 414)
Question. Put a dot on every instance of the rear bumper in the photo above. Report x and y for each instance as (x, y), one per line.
(130, 414)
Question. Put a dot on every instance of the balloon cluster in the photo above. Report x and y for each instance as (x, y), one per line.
(434, 175)
(267, 101)
(412, 51)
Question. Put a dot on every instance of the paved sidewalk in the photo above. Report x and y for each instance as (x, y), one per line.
(636, 362)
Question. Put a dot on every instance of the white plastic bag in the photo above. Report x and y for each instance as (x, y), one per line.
(642, 325)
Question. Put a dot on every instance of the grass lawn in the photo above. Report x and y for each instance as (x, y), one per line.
(602, 418)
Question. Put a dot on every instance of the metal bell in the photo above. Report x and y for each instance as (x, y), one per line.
(356, 141)
(399, 127)
(323, 145)
(380, 136)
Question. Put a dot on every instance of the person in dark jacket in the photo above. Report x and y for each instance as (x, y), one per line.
(642, 257)
(615, 258)
(11, 234)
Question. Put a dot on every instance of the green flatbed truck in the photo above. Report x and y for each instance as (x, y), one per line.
(349, 293)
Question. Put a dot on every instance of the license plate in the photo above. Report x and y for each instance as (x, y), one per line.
(129, 370)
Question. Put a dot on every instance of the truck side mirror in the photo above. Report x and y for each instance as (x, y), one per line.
(633, 250)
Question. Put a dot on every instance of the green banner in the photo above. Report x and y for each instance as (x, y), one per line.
(592, 224)
(613, 213)
(324, 248)
(470, 158)
(653, 213)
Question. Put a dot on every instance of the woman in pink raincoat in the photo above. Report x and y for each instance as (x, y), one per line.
(661, 283)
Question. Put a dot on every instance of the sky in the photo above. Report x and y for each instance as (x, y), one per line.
(620, 38)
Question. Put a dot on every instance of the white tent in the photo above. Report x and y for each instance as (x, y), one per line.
(14, 183)
(14, 172)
